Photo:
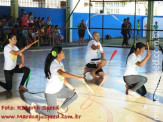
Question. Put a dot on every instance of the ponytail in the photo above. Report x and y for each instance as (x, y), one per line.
(135, 47)
(51, 56)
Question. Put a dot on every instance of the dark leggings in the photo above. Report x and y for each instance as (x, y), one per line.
(9, 74)
(136, 83)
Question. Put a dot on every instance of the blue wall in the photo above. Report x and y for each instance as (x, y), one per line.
(58, 17)
(110, 21)
(4, 10)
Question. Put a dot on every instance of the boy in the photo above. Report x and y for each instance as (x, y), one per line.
(95, 59)
(138, 30)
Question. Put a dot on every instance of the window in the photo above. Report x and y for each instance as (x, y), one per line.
(146, 11)
(5, 2)
(96, 4)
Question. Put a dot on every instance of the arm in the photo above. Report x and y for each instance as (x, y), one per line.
(20, 51)
(140, 64)
(95, 47)
(68, 75)
(22, 60)
(85, 25)
(102, 55)
(69, 85)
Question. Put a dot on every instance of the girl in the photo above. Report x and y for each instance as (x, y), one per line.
(31, 21)
(131, 77)
(55, 74)
(10, 67)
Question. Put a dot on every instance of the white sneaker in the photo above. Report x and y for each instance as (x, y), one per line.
(33, 111)
(134, 94)
(62, 111)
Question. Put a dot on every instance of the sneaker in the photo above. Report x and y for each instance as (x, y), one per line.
(33, 111)
(63, 111)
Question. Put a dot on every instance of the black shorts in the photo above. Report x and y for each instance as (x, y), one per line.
(81, 35)
(94, 66)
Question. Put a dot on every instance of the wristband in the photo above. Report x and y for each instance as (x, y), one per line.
(25, 47)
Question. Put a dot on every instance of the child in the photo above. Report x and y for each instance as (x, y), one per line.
(95, 59)
(55, 74)
(43, 35)
(48, 21)
(155, 27)
(49, 33)
(10, 54)
(131, 76)
(138, 30)
(58, 34)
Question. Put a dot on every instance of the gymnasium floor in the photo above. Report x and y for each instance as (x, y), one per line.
(111, 103)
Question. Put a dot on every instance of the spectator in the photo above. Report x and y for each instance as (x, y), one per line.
(48, 21)
(43, 21)
(17, 22)
(4, 20)
(129, 26)
(58, 34)
(49, 32)
(24, 20)
(33, 33)
(43, 35)
(39, 21)
(11, 22)
(138, 30)
(155, 27)
(54, 37)
(124, 33)
(31, 21)
(81, 31)
(22, 12)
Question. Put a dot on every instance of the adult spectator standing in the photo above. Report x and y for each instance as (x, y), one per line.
(129, 26)
(81, 32)
(124, 33)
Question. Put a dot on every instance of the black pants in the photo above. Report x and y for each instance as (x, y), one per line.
(9, 74)
(125, 39)
(129, 35)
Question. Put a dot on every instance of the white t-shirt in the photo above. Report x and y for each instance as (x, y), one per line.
(10, 59)
(132, 68)
(56, 81)
(31, 19)
(92, 54)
